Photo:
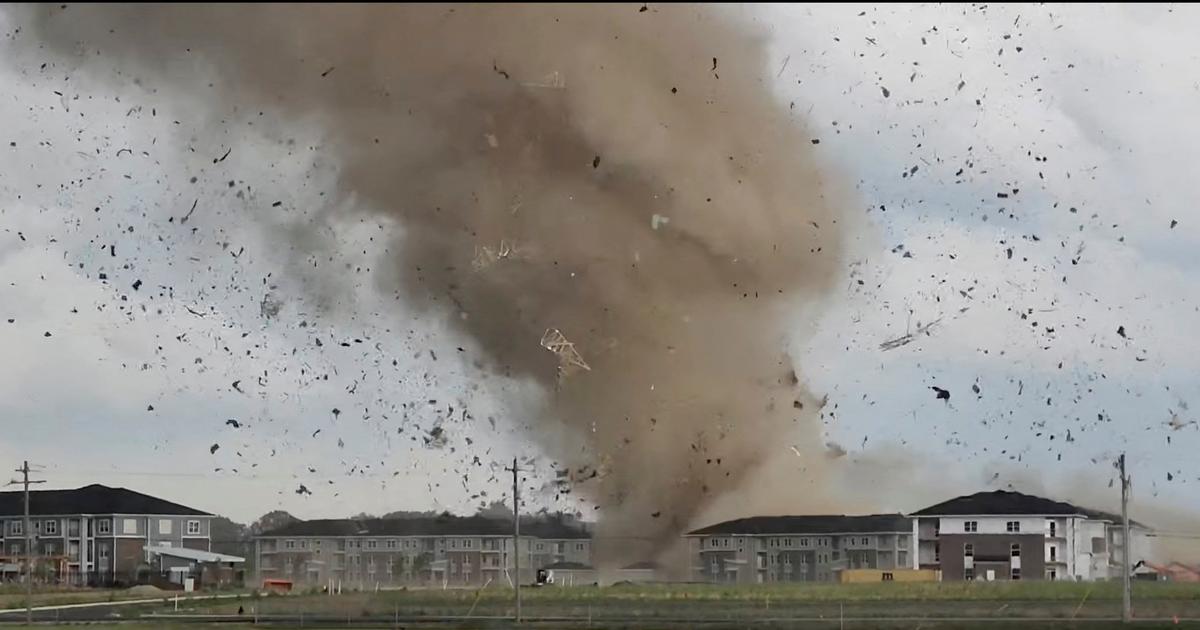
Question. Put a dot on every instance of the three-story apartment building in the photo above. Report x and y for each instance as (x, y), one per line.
(444, 550)
(1002, 535)
(800, 548)
(95, 534)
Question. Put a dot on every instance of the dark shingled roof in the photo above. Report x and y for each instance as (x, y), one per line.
(1005, 502)
(445, 525)
(836, 524)
(93, 499)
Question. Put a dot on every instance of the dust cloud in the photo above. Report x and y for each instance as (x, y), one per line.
(625, 177)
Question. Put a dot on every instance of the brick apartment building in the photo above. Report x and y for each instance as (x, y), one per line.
(800, 548)
(445, 550)
(95, 534)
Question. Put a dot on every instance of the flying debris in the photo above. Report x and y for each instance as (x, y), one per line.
(569, 360)
(908, 338)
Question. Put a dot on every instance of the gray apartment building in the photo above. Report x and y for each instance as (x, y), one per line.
(445, 550)
(95, 534)
(800, 548)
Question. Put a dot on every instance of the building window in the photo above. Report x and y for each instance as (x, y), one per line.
(316, 545)
(578, 546)
(102, 551)
(49, 549)
(289, 544)
(902, 542)
(968, 574)
(1015, 550)
(129, 526)
(866, 542)
(1053, 529)
(803, 542)
(103, 526)
(454, 543)
(371, 544)
(970, 526)
(937, 552)
(164, 526)
(467, 544)
(304, 544)
(1051, 574)
(969, 550)
(50, 528)
(1013, 526)
(16, 528)
(902, 558)
(391, 544)
(1016, 574)
(887, 577)
(1054, 554)
(193, 528)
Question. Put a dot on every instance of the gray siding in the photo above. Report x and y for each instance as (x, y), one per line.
(993, 551)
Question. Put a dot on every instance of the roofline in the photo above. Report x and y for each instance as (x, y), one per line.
(365, 535)
(1041, 514)
(1090, 517)
(698, 534)
(100, 514)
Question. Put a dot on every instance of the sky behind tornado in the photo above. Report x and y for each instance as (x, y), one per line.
(1018, 188)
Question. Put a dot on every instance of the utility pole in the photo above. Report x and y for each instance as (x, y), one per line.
(517, 537)
(28, 529)
(1126, 605)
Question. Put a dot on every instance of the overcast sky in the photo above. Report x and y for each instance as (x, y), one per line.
(1027, 175)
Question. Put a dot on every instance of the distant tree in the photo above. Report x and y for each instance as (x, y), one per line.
(230, 538)
(398, 563)
(271, 520)
(495, 509)
(422, 562)
(222, 529)
(405, 514)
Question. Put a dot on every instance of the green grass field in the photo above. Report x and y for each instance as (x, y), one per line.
(682, 602)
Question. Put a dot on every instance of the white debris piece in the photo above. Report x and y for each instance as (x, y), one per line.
(569, 359)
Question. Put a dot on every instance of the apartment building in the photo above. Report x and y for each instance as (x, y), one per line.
(800, 548)
(95, 534)
(446, 550)
(1002, 535)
